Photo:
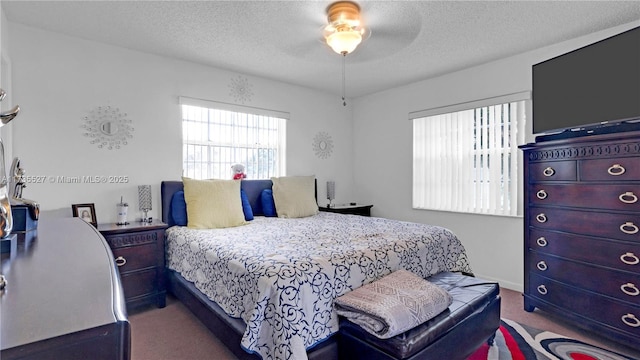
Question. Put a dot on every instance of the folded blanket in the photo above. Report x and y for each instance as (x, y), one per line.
(393, 304)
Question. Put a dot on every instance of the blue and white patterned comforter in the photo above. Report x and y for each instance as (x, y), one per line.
(281, 275)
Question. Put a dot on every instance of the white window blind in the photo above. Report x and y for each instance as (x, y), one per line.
(466, 161)
(218, 135)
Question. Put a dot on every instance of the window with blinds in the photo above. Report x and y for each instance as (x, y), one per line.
(466, 160)
(216, 136)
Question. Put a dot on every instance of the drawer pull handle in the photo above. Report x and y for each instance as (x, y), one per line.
(616, 170)
(548, 171)
(541, 194)
(541, 241)
(120, 261)
(542, 266)
(630, 320)
(628, 198)
(629, 228)
(629, 259)
(541, 218)
(543, 290)
(630, 289)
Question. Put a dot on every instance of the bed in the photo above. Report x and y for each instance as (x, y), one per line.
(266, 289)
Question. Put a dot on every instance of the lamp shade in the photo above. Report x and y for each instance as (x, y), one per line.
(331, 190)
(345, 41)
(144, 197)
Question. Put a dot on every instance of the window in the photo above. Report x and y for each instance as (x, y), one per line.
(466, 160)
(216, 136)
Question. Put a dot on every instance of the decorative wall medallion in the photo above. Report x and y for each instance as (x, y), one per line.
(322, 145)
(240, 89)
(107, 127)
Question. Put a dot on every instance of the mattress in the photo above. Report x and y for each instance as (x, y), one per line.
(281, 276)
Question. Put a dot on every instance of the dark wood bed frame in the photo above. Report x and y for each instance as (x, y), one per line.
(229, 330)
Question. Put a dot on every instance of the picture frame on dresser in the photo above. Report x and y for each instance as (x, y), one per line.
(86, 212)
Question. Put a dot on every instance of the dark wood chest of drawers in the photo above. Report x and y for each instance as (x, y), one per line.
(63, 298)
(582, 232)
(138, 250)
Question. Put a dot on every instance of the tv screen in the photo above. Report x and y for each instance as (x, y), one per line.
(589, 86)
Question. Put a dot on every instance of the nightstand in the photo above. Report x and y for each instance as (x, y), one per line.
(358, 209)
(138, 249)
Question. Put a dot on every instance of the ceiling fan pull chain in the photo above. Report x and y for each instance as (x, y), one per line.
(344, 56)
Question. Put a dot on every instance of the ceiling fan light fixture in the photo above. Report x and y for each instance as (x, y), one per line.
(344, 32)
(344, 42)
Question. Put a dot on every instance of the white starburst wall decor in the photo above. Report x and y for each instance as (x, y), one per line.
(322, 145)
(108, 127)
(240, 89)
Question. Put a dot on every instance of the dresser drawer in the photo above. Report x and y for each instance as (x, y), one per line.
(595, 223)
(618, 314)
(553, 171)
(139, 283)
(612, 254)
(613, 197)
(621, 285)
(133, 238)
(619, 169)
(135, 257)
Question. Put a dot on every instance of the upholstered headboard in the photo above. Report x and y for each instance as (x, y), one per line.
(252, 188)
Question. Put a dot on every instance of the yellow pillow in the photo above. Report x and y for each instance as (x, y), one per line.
(294, 196)
(213, 203)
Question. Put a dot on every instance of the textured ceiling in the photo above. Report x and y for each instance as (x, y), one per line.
(410, 40)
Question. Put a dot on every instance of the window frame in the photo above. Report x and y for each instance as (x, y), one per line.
(497, 202)
(235, 113)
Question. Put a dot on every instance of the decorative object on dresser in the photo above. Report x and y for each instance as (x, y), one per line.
(144, 202)
(86, 212)
(6, 218)
(138, 250)
(63, 298)
(582, 232)
(123, 209)
(350, 209)
(25, 212)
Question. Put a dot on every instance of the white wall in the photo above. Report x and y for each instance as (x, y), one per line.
(382, 143)
(57, 80)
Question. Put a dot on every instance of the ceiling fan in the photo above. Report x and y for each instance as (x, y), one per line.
(347, 28)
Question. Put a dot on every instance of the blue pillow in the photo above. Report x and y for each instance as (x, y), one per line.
(268, 205)
(179, 208)
(246, 206)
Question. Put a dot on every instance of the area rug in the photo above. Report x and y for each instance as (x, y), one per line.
(519, 342)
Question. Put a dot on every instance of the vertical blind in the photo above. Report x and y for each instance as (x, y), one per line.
(466, 161)
(217, 136)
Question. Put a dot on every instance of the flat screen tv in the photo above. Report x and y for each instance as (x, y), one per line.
(594, 89)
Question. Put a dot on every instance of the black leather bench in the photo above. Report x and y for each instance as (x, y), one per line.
(471, 320)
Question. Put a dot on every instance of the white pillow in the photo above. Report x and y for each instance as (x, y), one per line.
(213, 203)
(294, 196)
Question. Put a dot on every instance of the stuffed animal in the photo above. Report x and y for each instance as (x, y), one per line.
(238, 171)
